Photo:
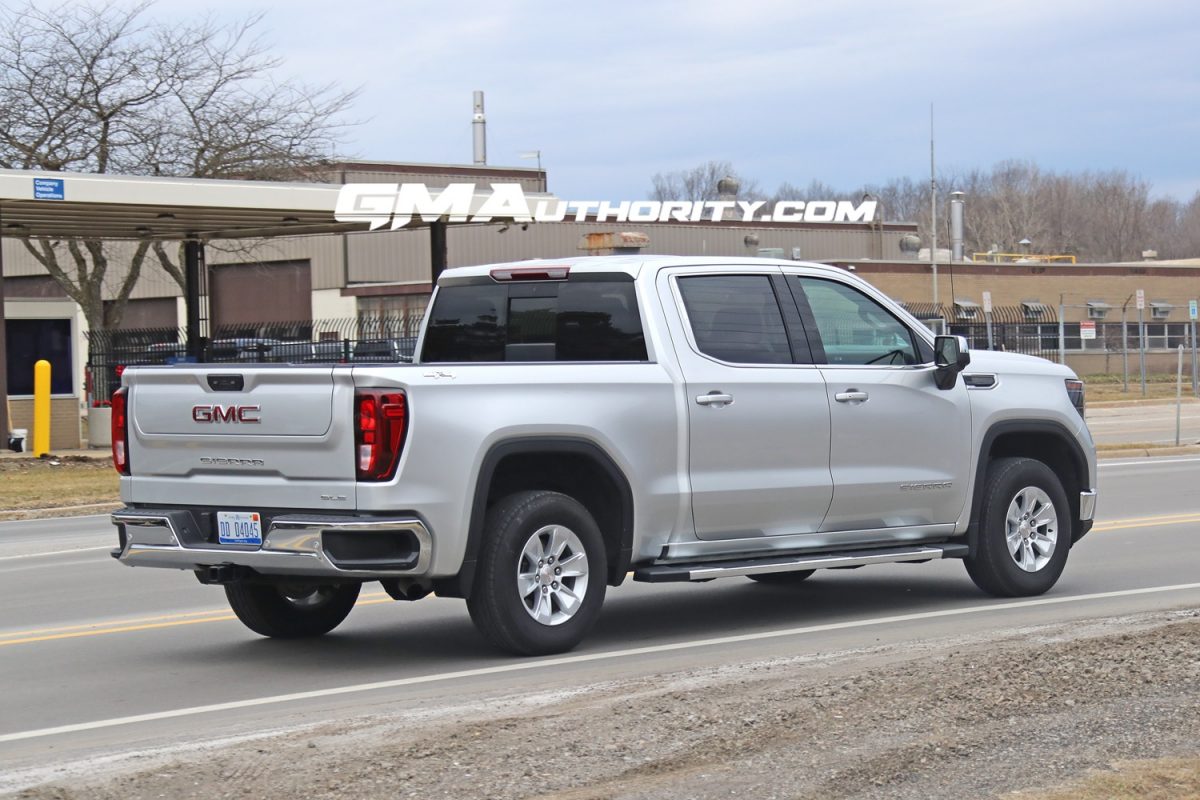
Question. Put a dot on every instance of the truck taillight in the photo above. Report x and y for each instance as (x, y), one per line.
(120, 431)
(380, 422)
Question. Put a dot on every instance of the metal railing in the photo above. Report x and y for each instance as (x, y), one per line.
(1021, 258)
(364, 339)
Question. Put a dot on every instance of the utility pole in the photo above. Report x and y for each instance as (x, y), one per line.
(932, 212)
(1062, 329)
(1141, 309)
(1193, 313)
(1125, 345)
(4, 420)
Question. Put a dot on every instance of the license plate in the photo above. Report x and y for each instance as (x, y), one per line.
(239, 527)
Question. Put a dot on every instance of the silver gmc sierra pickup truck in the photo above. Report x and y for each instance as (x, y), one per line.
(567, 424)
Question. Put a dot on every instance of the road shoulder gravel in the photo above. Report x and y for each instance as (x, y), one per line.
(967, 717)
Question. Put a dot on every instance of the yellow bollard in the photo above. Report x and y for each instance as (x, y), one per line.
(41, 408)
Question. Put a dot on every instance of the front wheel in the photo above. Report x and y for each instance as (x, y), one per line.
(1024, 530)
(540, 580)
(291, 611)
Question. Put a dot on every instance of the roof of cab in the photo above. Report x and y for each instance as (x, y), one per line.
(629, 264)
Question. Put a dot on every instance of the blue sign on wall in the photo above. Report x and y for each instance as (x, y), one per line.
(48, 189)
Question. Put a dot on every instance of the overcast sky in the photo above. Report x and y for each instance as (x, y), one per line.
(786, 90)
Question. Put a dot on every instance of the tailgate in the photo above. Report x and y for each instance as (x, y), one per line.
(241, 437)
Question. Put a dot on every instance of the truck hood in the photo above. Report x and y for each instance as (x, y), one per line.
(1002, 363)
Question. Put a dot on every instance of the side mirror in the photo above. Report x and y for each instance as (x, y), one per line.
(951, 355)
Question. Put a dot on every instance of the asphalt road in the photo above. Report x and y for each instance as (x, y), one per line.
(96, 658)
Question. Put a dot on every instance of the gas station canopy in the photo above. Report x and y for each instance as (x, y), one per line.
(71, 205)
(68, 205)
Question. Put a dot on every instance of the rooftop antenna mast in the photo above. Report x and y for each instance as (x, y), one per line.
(932, 211)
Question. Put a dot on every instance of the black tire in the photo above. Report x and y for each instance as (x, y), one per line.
(496, 605)
(992, 567)
(286, 611)
(782, 578)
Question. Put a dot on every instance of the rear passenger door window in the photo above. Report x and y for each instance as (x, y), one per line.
(736, 318)
(853, 328)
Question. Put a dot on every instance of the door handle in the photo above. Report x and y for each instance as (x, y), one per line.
(714, 399)
(852, 396)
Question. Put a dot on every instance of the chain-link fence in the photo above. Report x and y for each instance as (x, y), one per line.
(1094, 336)
(365, 339)
(1034, 328)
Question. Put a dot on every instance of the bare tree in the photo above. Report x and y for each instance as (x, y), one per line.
(1096, 216)
(701, 183)
(101, 88)
(901, 199)
(816, 190)
(1185, 241)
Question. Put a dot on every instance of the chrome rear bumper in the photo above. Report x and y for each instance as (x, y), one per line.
(292, 545)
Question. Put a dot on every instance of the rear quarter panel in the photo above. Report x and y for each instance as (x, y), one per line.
(458, 412)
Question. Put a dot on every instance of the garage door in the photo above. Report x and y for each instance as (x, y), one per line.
(278, 291)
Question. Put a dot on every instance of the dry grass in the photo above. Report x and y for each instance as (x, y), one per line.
(28, 483)
(1105, 392)
(1158, 779)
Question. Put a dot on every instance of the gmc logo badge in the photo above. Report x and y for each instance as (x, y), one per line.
(244, 414)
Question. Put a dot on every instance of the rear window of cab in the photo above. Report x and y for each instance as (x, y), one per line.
(593, 319)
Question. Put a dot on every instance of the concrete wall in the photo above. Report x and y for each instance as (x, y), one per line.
(332, 304)
(1157, 363)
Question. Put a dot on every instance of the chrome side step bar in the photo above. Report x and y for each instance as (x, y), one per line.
(706, 571)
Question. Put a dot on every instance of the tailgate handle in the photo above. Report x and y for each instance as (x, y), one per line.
(226, 383)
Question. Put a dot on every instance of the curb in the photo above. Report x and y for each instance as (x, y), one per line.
(1137, 403)
(75, 455)
(1147, 452)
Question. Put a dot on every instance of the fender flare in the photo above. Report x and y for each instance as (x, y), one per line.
(1051, 428)
(460, 585)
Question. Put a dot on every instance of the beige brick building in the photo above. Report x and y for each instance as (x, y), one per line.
(1029, 297)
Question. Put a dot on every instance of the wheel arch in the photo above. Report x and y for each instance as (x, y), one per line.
(1044, 440)
(577, 467)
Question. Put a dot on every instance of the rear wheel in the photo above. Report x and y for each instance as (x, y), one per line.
(1024, 530)
(291, 611)
(540, 580)
(782, 578)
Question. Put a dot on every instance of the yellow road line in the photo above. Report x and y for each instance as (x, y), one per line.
(1189, 515)
(144, 624)
(90, 625)
(375, 598)
(122, 629)
(1183, 521)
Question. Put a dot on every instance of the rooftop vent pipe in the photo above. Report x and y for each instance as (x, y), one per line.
(479, 128)
(956, 226)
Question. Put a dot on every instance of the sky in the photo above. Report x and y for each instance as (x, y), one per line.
(613, 92)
